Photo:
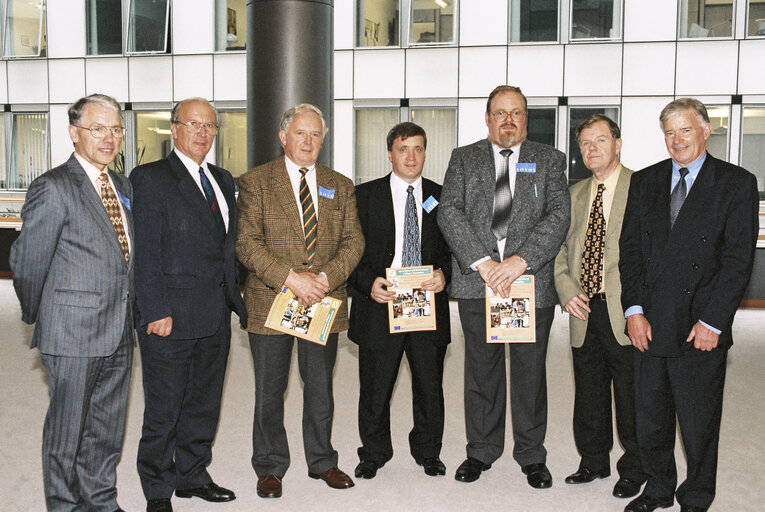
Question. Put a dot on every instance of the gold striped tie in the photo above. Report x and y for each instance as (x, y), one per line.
(309, 217)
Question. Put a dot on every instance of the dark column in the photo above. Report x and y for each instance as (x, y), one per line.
(289, 61)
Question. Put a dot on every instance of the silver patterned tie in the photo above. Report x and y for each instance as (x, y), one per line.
(503, 198)
(678, 197)
(410, 256)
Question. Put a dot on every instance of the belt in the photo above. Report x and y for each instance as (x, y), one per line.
(599, 296)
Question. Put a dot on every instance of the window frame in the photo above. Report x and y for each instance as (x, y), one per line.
(618, 5)
(128, 36)
(747, 35)
(679, 20)
(410, 28)
(8, 119)
(510, 18)
(42, 29)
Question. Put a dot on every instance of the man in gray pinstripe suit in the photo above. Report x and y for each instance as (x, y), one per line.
(73, 274)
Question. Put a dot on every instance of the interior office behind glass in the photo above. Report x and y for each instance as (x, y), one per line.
(24, 28)
(379, 22)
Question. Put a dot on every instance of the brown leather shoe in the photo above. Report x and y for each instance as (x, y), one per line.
(269, 486)
(334, 478)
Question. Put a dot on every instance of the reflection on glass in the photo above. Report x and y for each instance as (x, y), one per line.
(753, 145)
(153, 138)
(28, 151)
(372, 126)
(717, 143)
(432, 21)
(232, 142)
(577, 171)
(148, 26)
(230, 25)
(596, 19)
(104, 26)
(756, 16)
(706, 18)
(533, 20)
(378, 23)
(542, 125)
(24, 28)
(440, 125)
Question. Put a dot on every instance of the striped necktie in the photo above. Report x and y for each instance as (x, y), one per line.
(112, 205)
(309, 217)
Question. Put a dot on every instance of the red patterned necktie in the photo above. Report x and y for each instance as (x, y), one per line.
(112, 206)
(309, 217)
(592, 256)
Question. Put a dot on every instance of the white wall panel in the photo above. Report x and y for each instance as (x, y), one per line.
(3, 82)
(230, 76)
(343, 74)
(192, 76)
(537, 70)
(751, 71)
(343, 24)
(150, 78)
(66, 28)
(649, 68)
(193, 26)
(481, 70)
(593, 70)
(107, 76)
(60, 144)
(642, 140)
(471, 125)
(67, 80)
(707, 67)
(378, 74)
(342, 135)
(27, 81)
(431, 73)
(483, 22)
(650, 20)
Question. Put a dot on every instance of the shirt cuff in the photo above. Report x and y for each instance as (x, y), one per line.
(475, 264)
(716, 331)
(633, 310)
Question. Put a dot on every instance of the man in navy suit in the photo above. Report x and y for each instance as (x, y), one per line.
(687, 246)
(186, 288)
(382, 206)
(73, 273)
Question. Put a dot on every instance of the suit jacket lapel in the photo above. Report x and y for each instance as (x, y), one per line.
(324, 180)
(582, 205)
(429, 225)
(385, 229)
(128, 219)
(618, 205)
(658, 200)
(190, 191)
(487, 172)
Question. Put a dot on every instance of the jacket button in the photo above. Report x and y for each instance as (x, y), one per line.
(695, 266)
(703, 238)
(686, 291)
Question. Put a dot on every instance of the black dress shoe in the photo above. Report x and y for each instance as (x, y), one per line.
(367, 469)
(537, 475)
(160, 505)
(209, 492)
(586, 475)
(433, 466)
(626, 488)
(645, 503)
(692, 509)
(470, 470)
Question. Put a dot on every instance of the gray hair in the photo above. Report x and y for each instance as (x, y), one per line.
(681, 104)
(76, 108)
(175, 113)
(298, 109)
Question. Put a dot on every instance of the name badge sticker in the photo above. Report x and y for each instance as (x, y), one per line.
(429, 204)
(124, 200)
(326, 192)
(526, 167)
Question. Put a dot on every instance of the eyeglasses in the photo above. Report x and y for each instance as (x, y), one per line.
(99, 132)
(501, 115)
(195, 126)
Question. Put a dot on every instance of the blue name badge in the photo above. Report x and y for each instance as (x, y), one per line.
(429, 204)
(525, 167)
(326, 193)
(124, 200)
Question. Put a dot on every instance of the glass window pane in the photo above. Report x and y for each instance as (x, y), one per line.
(104, 27)
(432, 21)
(576, 168)
(717, 143)
(153, 138)
(542, 125)
(232, 142)
(753, 145)
(378, 23)
(148, 26)
(533, 20)
(372, 126)
(24, 28)
(756, 13)
(706, 18)
(4, 164)
(596, 19)
(230, 25)
(28, 150)
(440, 125)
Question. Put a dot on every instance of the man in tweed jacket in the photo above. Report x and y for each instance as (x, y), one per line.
(538, 221)
(272, 246)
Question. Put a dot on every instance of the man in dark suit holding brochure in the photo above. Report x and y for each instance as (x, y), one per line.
(398, 218)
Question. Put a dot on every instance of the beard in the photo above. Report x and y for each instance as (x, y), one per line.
(507, 139)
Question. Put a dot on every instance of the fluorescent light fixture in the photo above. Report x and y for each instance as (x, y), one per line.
(441, 3)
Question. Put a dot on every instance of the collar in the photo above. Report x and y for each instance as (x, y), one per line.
(294, 168)
(516, 149)
(610, 181)
(693, 168)
(399, 184)
(190, 164)
(91, 170)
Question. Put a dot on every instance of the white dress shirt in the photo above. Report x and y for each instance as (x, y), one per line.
(293, 170)
(398, 191)
(193, 169)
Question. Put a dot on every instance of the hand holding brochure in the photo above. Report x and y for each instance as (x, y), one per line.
(312, 323)
(512, 320)
(413, 309)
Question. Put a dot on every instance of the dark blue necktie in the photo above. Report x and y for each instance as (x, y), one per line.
(212, 202)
